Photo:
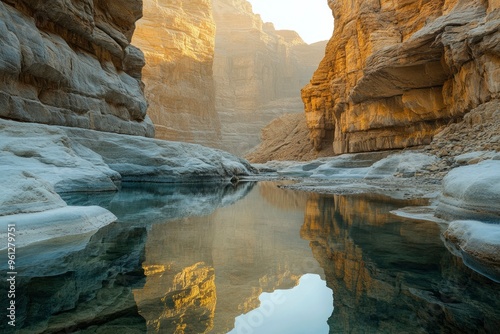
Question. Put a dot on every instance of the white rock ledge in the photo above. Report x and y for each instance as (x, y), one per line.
(478, 244)
(471, 192)
(38, 162)
(56, 223)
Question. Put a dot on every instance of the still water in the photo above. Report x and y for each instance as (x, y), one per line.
(250, 259)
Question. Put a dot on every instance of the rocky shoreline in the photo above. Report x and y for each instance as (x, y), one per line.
(41, 162)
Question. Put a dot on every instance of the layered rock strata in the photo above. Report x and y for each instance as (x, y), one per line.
(395, 73)
(71, 63)
(258, 72)
(178, 40)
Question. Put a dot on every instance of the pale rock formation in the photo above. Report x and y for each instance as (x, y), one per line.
(39, 162)
(178, 40)
(258, 72)
(65, 222)
(472, 192)
(73, 159)
(395, 73)
(478, 244)
(71, 63)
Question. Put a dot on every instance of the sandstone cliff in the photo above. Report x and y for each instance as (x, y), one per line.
(178, 40)
(258, 72)
(71, 63)
(396, 72)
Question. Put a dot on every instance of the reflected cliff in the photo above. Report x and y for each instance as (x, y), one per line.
(393, 276)
(212, 259)
(203, 272)
(84, 284)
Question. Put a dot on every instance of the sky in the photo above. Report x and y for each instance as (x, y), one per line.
(312, 19)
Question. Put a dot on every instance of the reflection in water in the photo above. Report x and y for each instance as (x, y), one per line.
(246, 249)
(390, 276)
(302, 309)
(192, 260)
(84, 284)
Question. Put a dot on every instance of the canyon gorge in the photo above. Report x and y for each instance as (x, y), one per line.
(216, 74)
(168, 163)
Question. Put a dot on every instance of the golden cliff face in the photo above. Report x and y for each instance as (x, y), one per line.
(258, 72)
(396, 72)
(178, 41)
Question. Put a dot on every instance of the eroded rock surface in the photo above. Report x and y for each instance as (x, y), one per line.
(178, 40)
(40, 162)
(395, 73)
(478, 244)
(71, 63)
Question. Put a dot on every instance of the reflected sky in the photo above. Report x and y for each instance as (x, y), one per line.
(302, 309)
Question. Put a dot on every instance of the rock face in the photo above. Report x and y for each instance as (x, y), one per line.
(285, 138)
(258, 72)
(71, 63)
(178, 40)
(396, 72)
(219, 87)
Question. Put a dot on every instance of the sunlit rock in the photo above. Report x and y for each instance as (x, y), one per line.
(258, 72)
(178, 40)
(395, 73)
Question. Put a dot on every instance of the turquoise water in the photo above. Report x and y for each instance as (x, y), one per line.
(250, 259)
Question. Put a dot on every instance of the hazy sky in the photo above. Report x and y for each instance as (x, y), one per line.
(312, 19)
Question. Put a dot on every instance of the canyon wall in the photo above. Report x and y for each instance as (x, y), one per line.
(178, 40)
(258, 72)
(216, 74)
(71, 63)
(395, 73)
